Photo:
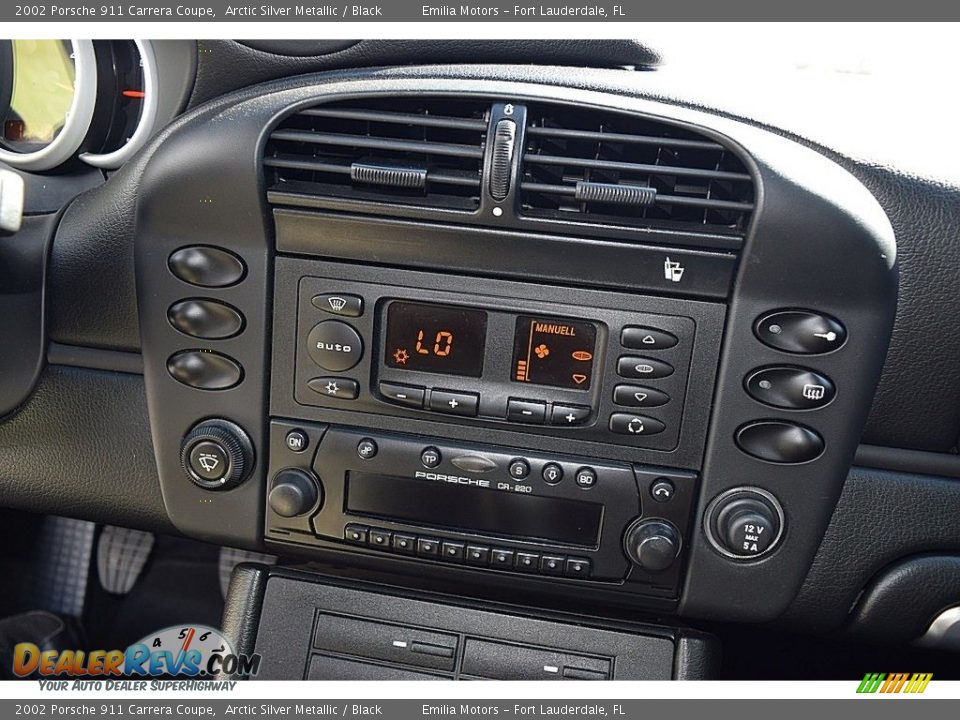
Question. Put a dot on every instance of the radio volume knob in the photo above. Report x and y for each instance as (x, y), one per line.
(294, 492)
(652, 544)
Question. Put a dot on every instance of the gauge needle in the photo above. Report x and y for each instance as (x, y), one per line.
(140, 94)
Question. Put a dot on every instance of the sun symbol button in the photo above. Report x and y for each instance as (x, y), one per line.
(401, 356)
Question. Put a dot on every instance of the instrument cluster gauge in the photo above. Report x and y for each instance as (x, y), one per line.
(65, 99)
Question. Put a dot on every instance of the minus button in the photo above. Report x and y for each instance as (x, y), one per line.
(409, 395)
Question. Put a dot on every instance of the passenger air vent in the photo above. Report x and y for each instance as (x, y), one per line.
(609, 168)
(412, 151)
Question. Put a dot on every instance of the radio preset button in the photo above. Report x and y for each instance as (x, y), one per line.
(380, 538)
(527, 561)
(552, 564)
(454, 403)
(430, 457)
(569, 414)
(367, 448)
(639, 396)
(409, 395)
(577, 567)
(452, 551)
(501, 558)
(335, 387)
(334, 345)
(337, 304)
(428, 547)
(552, 473)
(526, 411)
(519, 469)
(478, 555)
(356, 534)
(647, 338)
(627, 424)
(632, 366)
(586, 477)
(406, 544)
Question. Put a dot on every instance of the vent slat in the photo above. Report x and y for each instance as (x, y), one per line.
(692, 182)
(377, 143)
(571, 191)
(296, 164)
(567, 134)
(407, 118)
(426, 152)
(640, 168)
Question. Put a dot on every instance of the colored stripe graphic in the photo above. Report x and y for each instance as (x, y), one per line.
(894, 683)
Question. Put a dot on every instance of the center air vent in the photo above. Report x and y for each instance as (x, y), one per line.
(610, 168)
(426, 152)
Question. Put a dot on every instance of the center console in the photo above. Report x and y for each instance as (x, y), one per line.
(520, 341)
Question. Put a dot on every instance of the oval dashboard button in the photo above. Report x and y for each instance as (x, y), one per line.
(791, 388)
(204, 370)
(334, 345)
(630, 366)
(780, 442)
(206, 266)
(208, 319)
(802, 332)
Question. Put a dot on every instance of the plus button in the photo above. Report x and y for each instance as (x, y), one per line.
(453, 403)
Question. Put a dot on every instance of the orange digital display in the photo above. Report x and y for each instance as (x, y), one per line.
(435, 338)
(552, 351)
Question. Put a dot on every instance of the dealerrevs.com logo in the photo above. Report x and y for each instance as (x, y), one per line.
(193, 651)
(911, 683)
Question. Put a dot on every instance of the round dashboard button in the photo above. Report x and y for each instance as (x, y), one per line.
(209, 460)
(552, 473)
(430, 457)
(334, 345)
(519, 469)
(367, 448)
(586, 477)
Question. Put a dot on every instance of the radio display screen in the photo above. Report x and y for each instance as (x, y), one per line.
(555, 352)
(441, 504)
(435, 338)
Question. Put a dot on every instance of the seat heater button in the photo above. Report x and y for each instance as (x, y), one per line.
(780, 442)
(204, 370)
(803, 332)
(206, 266)
(334, 345)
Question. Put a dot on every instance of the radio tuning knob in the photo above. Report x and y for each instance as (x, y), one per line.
(294, 492)
(652, 544)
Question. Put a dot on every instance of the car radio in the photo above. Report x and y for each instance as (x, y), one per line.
(478, 507)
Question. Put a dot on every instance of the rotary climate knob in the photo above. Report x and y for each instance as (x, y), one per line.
(217, 455)
(652, 544)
